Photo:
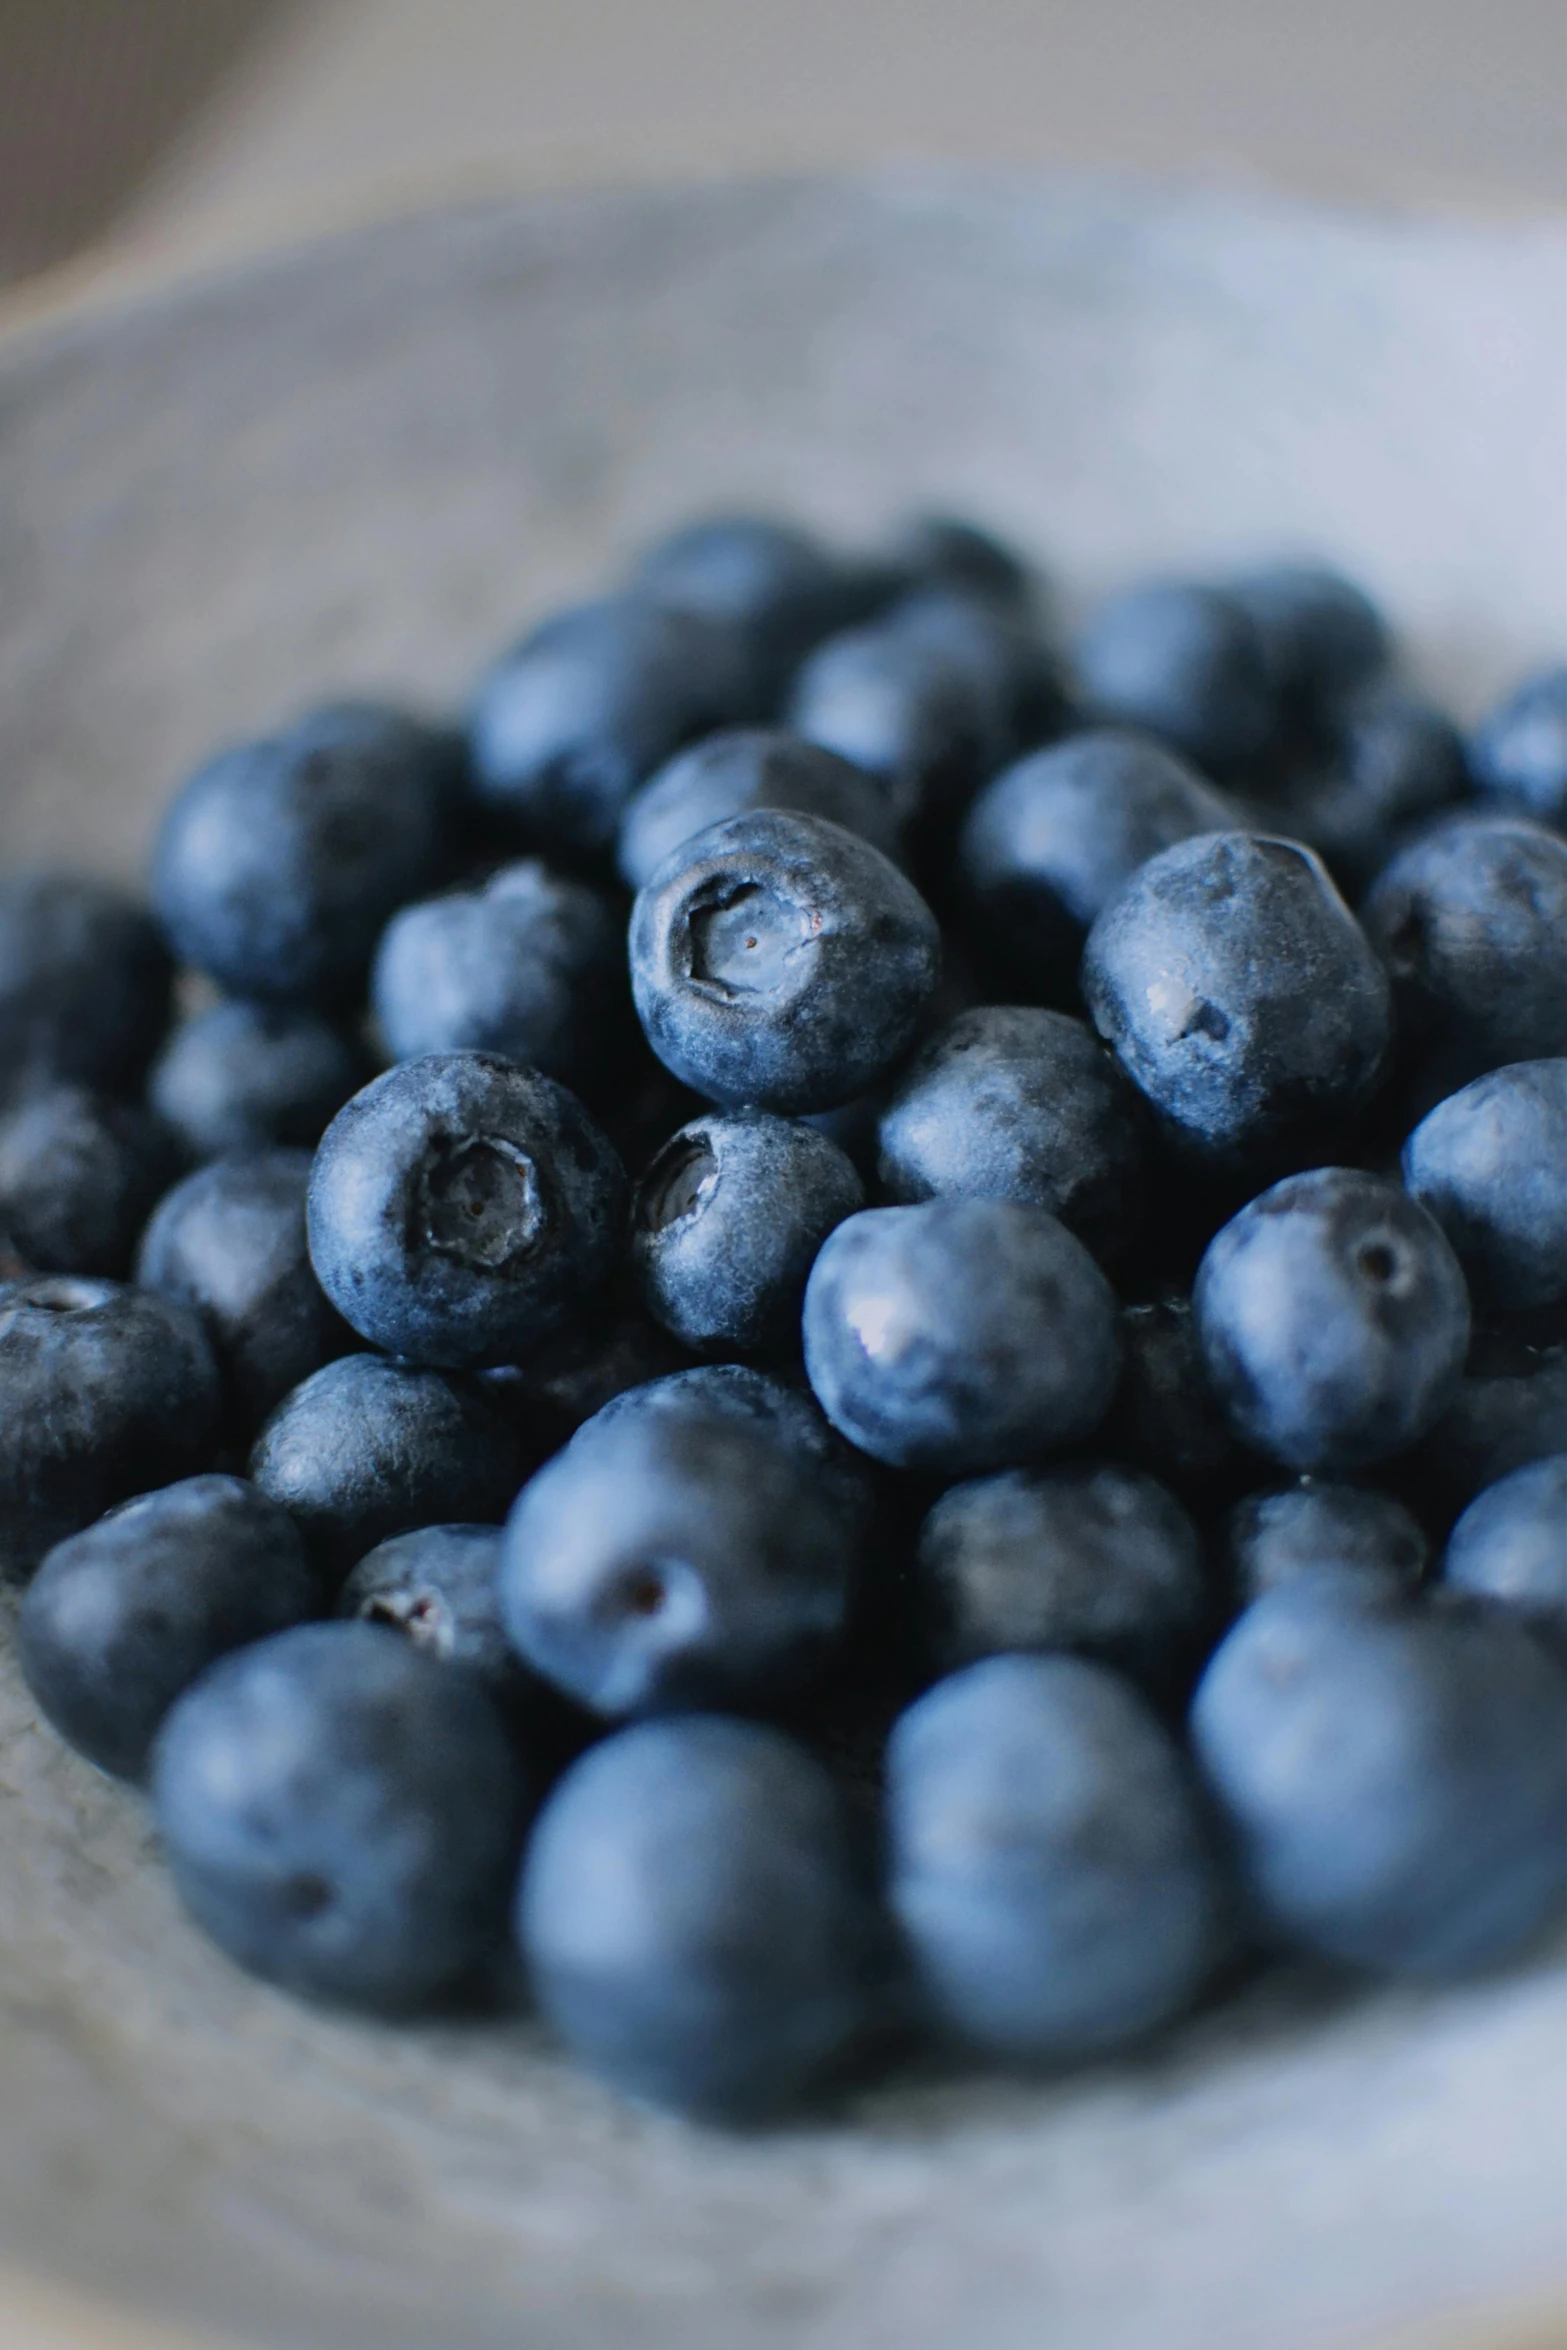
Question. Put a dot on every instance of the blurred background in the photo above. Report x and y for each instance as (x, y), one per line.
(159, 132)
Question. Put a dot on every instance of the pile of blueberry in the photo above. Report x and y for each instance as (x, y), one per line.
(929, 1394)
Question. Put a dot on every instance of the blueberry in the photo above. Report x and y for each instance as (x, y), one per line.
(106, 1391)
(462, 1208)
(575, 717)
(1238, 991)
(1333, 1319)
(230, 1243)
(365, 1449)
(1188, 663)
(961, 1335)
(342, 1816)
(79, 1173)
(1490, 1162)
(745, 768)
(122, 1617)
(777, 960)
(1007, 1102)
(1391, 762)
(1510, 1407)
(251, 1077)
(1051, 840)
(531, 966)
(280, 861)
(438, 1587)
(1165, 1417)
(1510, 1545)
(1048, 1864)
(1298, 1529)
(943, 550)
(1396, 1779)
(726, 1226)
(1322, 637)
(582, 1368)
(1471, 921)
(1092, 1557)
(697, 1543)
(904, 707)
(771, 584)
(694, 1917)
(1519, 751)
(1015, 687)
(84, 985)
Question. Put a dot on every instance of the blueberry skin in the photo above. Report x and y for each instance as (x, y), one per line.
(1051, 840)
(570, 721)
(741, 769)
(1396, 1778)
(905, 708)
(1187, 663)
(1392, 762)
(697, 1543)
(1510, 1545)
(280, 861)
(438, 1587)
(1238, 992)
(461, 1208)
(229, 1242)
(342, 1816)
(1270, 1538)
(773, 585)
(85, 984)
(1333, 1319)
(1323, 639)
(1009, 1102)
(726, 1226)
(1490, 1162)
(944, 550)
(532, 966)
(252, 1077)
(1165, 1416)
(122, 1617)
(1014, 683)
(575, 1373)
(1092, 1558)
(960, 1336)
(106, 1391)
(694, 1918)
(1519, 750)
(1048, 1863)
(79, 1173)
(367, 1448)
(1510, 1407)
(778, 961)
(1471, 922)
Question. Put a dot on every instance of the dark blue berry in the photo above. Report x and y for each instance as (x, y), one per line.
(1322, 637)
(942, 550)
(1311, 1526)
(1164, 1416)
(772, 585)
(1048, 1863)
(122, 1617)
(1519, 750)
(695, 1920)
(1014, 683)
(726, 1226)
(105, 1392)
(779, 961)
(1471, 922)
(439, 1588)
(742, 769)
(1490, 1162)
(582, 1368)
(79, 1173)
(1092, 1558)
(342, 1816)
(905, 708)
(280, 861)
(1188, 663)
(1334, 1320)
(1391, 762)
(253, 1077)
(575, 717)
(1048, 844)
(1238, 991)
(697, 1543)
(84, 985)
(1510, 1545)
(230, 1243)
(1510, 1407)
(960, 1336)
(531, 966)
(1008, 1102)
(1396, 1778)
(368, 1448)
(462, 1208)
